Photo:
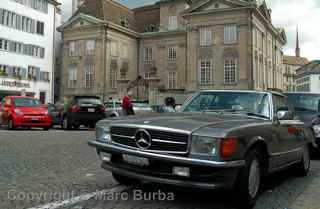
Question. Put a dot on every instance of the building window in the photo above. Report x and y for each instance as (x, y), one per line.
(40, 28)
(89, 76)
(72, 77)
(4, 45)
(230, 71)
(205, 72)
(172, 80)
(147, 76)
(173, 23)
(230, 34)
(90, 47)
(148, 56)
(34, 73)
(72, 48)
(205, 36)
(172, 54)
(124, 22)
(45, 76)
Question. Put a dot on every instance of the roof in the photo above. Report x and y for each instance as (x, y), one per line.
(311, 68)
(292, 60)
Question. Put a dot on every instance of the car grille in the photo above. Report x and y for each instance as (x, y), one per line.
(162, 141)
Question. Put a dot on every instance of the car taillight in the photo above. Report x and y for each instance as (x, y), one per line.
(102, 109)
(228, 147)
(75, 108)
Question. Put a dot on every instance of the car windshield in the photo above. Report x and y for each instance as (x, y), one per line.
(236, 102)
(88, 100)
(26, 102)
(304, 102)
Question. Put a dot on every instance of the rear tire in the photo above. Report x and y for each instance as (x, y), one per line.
(249, 180)
(92, 126)
(11, 124)
(76, 127)
(125, 180)
(302, 168)
(46, 128)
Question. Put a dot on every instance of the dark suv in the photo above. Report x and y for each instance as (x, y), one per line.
(81, 110)
(307, 108)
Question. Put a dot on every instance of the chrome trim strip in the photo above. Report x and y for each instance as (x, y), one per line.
(286, 152)
(291, 122)
(170, 158)
(123, 136)
(150, 127)
(155, 151)
(168, 142)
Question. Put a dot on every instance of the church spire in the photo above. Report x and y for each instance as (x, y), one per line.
(297, 44)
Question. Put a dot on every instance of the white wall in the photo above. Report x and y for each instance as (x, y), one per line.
(45, 41)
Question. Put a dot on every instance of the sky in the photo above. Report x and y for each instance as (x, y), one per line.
(285, 13)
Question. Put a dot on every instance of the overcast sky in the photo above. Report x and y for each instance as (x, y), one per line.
(285, 13)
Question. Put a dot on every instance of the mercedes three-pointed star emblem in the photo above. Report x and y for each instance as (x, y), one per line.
(143, 139)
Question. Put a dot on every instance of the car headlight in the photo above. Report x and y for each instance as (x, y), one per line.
(18, 112)
(103, 134)
(204, 145)
(316, 129)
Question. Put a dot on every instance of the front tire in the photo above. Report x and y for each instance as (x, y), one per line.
(125, 180)
(303, 167)
(249, 180)
(46, 128)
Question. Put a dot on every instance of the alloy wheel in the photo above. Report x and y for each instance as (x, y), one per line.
(254, 178)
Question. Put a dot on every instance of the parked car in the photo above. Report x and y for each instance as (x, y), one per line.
(19, 111)
(307, 108)
(221, 139)
(114, 108)
(81, 110)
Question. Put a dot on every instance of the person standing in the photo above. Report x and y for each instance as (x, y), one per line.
(127, 106)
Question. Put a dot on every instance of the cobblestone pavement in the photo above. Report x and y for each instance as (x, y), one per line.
(55, 164)
(59, 165)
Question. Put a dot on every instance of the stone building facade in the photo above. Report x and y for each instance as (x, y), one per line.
(172, 48)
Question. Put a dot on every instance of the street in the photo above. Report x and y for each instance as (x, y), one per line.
(40, 167)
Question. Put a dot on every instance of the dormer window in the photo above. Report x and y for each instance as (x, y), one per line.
(173, 23)
(150, 28)
(124, 22)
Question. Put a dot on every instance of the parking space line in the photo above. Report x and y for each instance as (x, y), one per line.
(81, 198)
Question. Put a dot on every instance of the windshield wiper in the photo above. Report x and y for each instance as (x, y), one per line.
(247, 112)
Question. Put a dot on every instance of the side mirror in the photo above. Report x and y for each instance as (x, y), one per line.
(284, 115)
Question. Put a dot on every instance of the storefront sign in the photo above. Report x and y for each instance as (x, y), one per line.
(15, 84)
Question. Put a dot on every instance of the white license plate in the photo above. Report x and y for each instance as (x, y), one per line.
(140, 161)
(34, 118)
(91, 110)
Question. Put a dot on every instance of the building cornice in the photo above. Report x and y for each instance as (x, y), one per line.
(163, 33)
(55, 3)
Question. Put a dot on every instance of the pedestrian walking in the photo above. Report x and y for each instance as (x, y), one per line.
(127, 106)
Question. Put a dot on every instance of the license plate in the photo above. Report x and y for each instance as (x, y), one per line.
(91, 110)
(34, 118)
(139, 161)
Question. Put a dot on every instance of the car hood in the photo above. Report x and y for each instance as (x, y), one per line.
(309, 117)
(189, 122)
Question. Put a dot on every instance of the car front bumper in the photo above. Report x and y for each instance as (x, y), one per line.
(204, 174)
(32, 121)
(86, 118)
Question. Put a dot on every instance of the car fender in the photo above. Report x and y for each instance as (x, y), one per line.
(256, 140)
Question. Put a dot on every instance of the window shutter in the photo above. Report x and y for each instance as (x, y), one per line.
(23, 73)
(42, 52)
(42, 76)
(38, 73)
(9, 71)
(1, 16)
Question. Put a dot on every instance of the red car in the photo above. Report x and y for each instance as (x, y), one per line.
(19, 111)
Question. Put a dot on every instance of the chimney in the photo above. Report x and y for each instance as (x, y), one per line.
(297, 44)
